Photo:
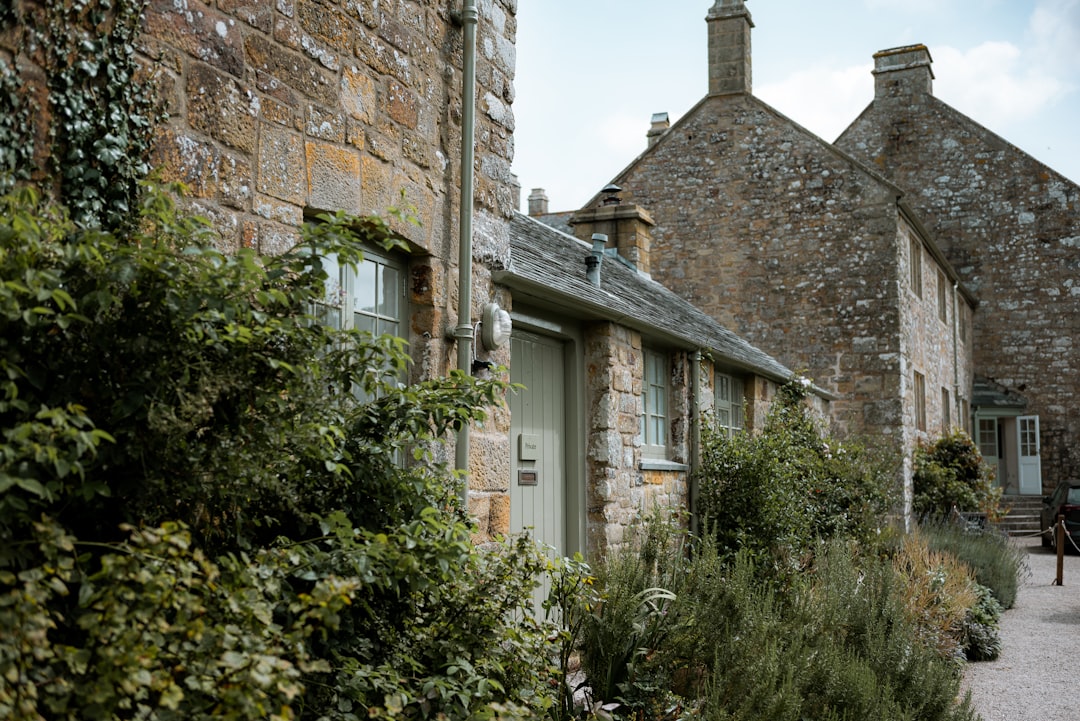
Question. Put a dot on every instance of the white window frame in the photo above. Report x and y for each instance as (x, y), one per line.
(353, 294)
(656, 403)
(729, 403)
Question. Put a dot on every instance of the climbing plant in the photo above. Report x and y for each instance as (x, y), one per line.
(16, 134)
(101, 115)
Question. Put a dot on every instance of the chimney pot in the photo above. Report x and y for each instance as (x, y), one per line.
(660, 125)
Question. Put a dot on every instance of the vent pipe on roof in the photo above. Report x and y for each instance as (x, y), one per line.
(595, 258)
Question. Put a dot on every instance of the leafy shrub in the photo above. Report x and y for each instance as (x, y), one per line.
(837, 641)
(994, 560)
(285, 563)
(628, 635)
(982, 640)
(938, 593)
(950, 475)
(774, 493)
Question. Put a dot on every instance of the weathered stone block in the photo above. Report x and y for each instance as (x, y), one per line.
(333, 177)
(221, 107)
(202, 32)
(282, 171)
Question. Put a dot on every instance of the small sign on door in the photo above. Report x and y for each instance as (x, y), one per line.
(528, 447)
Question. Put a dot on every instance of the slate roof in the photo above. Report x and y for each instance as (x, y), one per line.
(988, 394)
(548, 266)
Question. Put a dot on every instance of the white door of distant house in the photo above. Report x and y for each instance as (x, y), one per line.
(537, 443)
(1027, 429)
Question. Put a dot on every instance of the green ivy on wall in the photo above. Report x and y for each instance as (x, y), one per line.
(16, 130)
(101, 113)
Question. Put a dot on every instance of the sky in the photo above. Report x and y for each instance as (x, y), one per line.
(591, 73)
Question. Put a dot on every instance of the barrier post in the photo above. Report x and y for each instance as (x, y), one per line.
(1059, 530)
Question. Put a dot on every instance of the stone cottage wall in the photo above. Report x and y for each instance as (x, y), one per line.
(619, 492)
(278, 110)
(1009, 225)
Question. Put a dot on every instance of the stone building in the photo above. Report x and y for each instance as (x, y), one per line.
(805, 251)
(1010, 225)
(618, 370)
(280, 111)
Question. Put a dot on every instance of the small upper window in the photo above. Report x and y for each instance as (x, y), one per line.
(943, 297)
(946, 415)
(915, 248)
(920, 401)
(655, 391)
(730, 403)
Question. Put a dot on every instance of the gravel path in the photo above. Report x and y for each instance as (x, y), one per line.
(1036, 676)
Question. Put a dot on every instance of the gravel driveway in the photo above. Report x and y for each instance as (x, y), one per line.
(1036, 677)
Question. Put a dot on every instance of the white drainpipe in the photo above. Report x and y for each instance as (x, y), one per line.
(464, 333)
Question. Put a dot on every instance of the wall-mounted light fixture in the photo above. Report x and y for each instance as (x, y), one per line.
(495, 327)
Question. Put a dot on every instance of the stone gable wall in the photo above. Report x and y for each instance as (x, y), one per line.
(1011, 228)
(786, 242)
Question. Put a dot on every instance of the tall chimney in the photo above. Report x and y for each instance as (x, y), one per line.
(660, 125)
(729, 47)
(538, 202)
(903, 72)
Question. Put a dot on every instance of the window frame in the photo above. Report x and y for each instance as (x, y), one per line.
(943, 297)
(946, 415)
(655, 390)
(729, 402)
(919, 388)
(915, 261)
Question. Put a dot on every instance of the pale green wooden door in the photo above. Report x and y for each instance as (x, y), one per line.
(537, 426)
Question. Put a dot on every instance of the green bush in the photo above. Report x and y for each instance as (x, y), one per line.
(994, 560)
(837, 644)
(630, 631)
(834, 642)
(775, 493)
(950, 476)
(982, 640)
(197, 521)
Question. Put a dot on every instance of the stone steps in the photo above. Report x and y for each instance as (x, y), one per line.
(1023, 515)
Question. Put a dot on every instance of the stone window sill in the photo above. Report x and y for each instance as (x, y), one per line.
(658, 464)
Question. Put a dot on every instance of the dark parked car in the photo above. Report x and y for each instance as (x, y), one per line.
(1064, 501)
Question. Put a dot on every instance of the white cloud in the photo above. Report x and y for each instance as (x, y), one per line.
(1055, 33)
(994, 82)
(822, 99)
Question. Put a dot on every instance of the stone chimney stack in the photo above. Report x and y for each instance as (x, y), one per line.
(627, 226)
(660, 125)
(729, 47)
(538, 202)
(903, 72)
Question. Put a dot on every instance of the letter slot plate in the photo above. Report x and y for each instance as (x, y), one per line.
(528, 477)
